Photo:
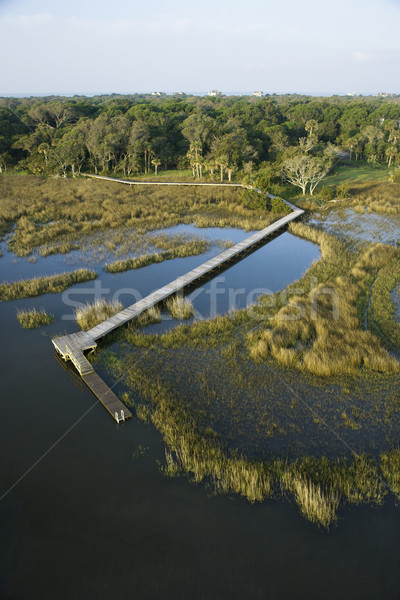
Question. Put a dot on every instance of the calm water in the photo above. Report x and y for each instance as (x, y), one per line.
(82, 518)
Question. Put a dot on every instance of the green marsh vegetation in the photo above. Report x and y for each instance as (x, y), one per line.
(365, 197)
(54, 216)
(30, 319)
(206, 431)
(198, 449)
(381, 310)
(180, 247)
(180, 308)
(53, 284)
(90, 315)
(376, 198)
(321, 332)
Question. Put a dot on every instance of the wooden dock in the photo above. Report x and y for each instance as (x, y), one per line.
(109, 400)
(72, 347)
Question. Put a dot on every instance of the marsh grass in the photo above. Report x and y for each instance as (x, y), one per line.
(320, 332)
(191, 248)
(27, 288)
(377, 197)
(150, 316)
(90, 315)
(179, 307)
(317, 505)
(209, 333)
(137, 262)
(390, 467)
(319, 486)
(55, 214)
(30, 319)
(382, 309)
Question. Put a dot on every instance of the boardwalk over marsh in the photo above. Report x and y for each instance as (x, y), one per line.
(72, 347)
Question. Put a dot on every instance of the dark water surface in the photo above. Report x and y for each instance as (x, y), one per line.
(82, 516)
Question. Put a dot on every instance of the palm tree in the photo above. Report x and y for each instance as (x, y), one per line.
(210, 166)
(230, 170)
(391, 153)
(222, 162)
(156, 162)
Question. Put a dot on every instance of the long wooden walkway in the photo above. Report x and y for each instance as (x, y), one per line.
(175, 183)
(72, 347)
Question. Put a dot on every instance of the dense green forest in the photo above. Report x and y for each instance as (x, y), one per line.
(292, 139)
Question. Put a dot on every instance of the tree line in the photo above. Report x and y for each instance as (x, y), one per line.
(291, 138)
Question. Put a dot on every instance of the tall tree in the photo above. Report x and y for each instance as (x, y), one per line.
(304, 170)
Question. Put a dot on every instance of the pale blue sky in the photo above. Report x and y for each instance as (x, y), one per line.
(304, 46)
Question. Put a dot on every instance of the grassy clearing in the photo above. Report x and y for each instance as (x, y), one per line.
(191, 248)
(53, 215)
(28, 288)
(30, 319)
(90, 315)
(357, 172)
(180, 308)
(320, 332)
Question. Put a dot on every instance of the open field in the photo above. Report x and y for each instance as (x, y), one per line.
(357, 173)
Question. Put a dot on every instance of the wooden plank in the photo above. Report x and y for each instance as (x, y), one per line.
(106, 396)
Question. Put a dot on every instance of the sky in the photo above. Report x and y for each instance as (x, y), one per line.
(125, 46)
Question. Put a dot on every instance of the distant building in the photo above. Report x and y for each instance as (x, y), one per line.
(215, 93)
(179, 94)
(386, 95)
(156, 93)
(258, 94)
(351, 94)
